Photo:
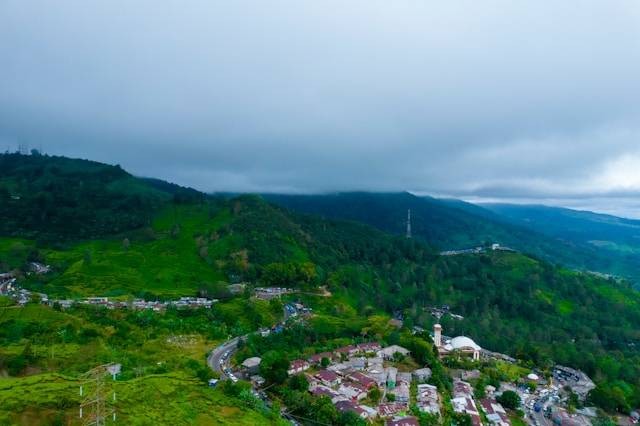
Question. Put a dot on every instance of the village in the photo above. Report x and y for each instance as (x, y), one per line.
(376, 383)
(21, 296)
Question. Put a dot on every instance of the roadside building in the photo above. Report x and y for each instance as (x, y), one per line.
(251, 365)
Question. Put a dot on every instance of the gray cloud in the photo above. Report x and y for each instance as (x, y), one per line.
(490, 100)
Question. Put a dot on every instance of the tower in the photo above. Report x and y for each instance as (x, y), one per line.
(409, 223)
(437, 335)
(97, 406)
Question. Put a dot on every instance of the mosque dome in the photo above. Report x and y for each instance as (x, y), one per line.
(463, 342)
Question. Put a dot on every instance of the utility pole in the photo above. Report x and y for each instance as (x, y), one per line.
(409, 223)
(98, 400)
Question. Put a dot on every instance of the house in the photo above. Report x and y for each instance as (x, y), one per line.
(401, 392)
(297, 366)
(404, 378)
(328, 392)
(390, 351)
(357, 363)
(496, 414)
(257, 381)
(463, 401)
(405, 421)
(252, 365)
(390, 409)
(340, 368)
(328, 378)
(369, 347)
(352, 391)
(343, 406)
(427, 399)
(362, 379)
(317, 358)
(346, 351)
(422, 374)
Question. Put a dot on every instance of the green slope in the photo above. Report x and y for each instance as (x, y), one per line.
(511, 302)
(453, 224)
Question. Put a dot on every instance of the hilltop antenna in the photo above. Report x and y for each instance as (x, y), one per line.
(409, 223)
(96, 405)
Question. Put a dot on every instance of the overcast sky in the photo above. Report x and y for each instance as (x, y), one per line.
(535, 101)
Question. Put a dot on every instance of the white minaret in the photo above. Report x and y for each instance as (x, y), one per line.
(437, 335)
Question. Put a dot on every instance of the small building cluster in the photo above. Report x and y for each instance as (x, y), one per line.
(8, 287)
(495, 412)
(428, 399)
(268, 293)
(578, 381)
(7, 283)
(346, 375)
(463, 401)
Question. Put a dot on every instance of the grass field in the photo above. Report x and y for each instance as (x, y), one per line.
(152, 400)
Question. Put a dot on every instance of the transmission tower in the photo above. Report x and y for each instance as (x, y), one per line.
(98, 398)
(409, 223)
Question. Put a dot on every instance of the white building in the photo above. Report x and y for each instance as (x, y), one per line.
(458, 345)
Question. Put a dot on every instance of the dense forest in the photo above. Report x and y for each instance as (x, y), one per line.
(56, 199)
(453, 224)
(179, 242)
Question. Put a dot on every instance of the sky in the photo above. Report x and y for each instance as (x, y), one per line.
(528, 101)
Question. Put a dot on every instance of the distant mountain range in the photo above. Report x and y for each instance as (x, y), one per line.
(577, 239)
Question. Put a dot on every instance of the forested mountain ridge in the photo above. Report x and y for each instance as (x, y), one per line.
(453, 224)
(529, 308)
(610, 232)
(58, 199)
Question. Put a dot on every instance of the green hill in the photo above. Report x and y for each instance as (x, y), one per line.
(56, 199)
(452, 224)
(511, 302)
(619, 235)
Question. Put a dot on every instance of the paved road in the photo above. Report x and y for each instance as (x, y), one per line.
(217, 355)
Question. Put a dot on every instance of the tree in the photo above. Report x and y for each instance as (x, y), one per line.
(324, 362)
(274, 367)
(509, 399)
(375, 394)
(298, 382)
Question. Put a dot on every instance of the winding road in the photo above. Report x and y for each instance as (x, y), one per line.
(217, 361)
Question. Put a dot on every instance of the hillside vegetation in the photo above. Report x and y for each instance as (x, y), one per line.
(511, 302)
(453, 224)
